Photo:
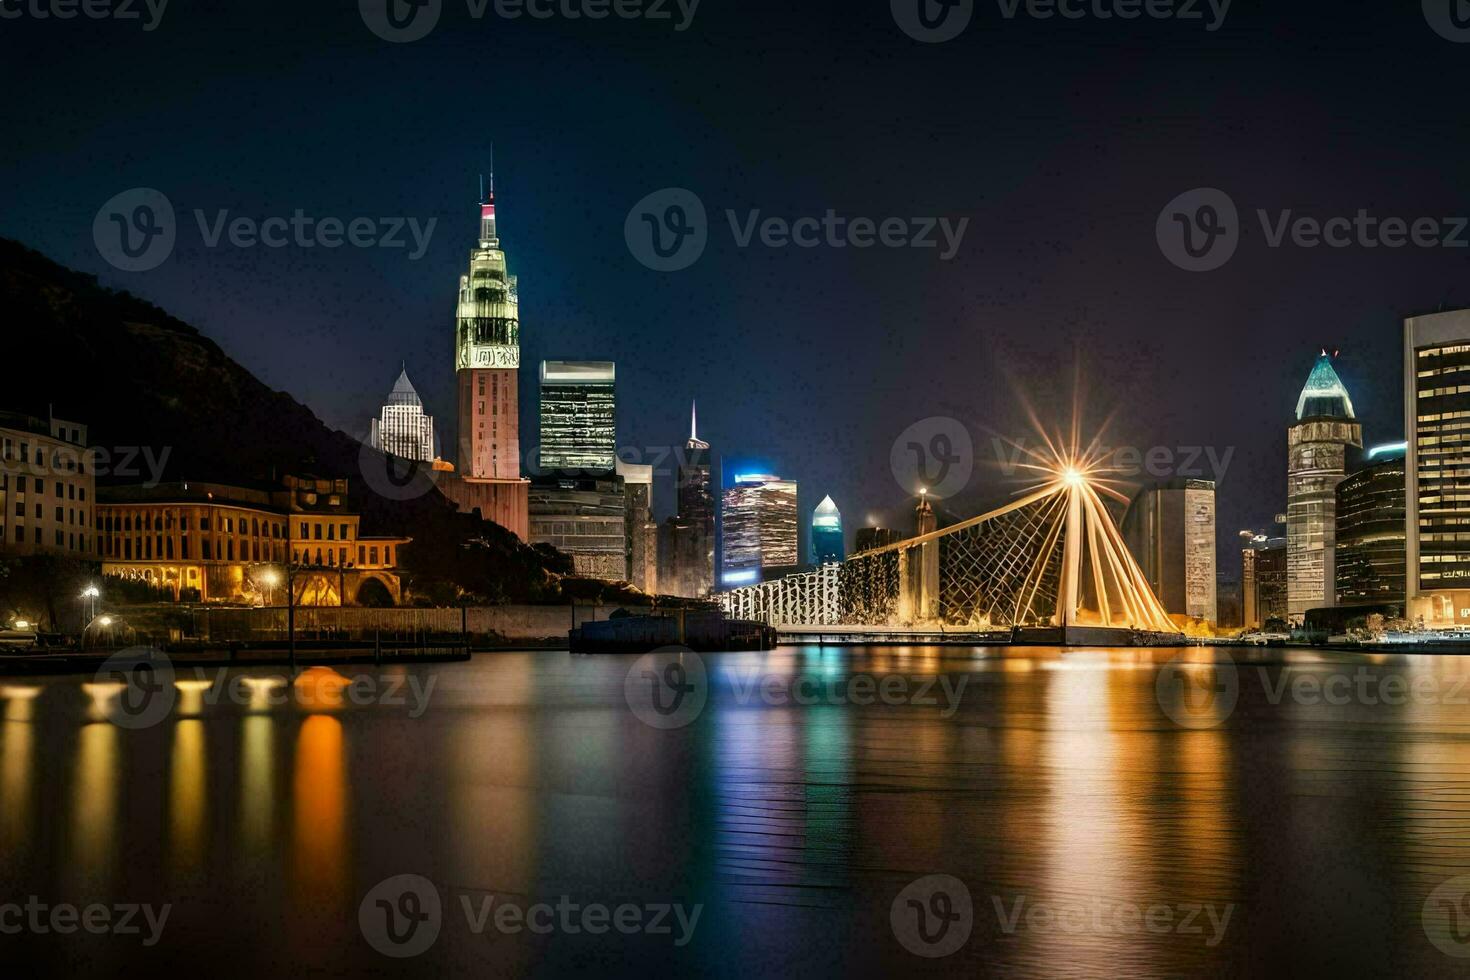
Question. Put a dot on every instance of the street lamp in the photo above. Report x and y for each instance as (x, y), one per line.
(270, 578)
(91, 594)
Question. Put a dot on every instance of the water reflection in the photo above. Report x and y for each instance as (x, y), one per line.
(319, 826)
(94, 802)
(257, 785)
(17, 759)
(187, 799)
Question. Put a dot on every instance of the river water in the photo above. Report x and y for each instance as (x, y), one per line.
(808, 811)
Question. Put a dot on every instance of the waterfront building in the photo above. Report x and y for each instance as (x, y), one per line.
(1371, 530)
(584, 517)
(217, 543)
(758, 529)
(640, 531)
(1316, 463)
(1437, 467)
(487, 361)
(578, 416)
(47, 488)
(402, 428)
(827, 546)
(1262, 579)
(1170, 530)
(869, 538)
(686, 541)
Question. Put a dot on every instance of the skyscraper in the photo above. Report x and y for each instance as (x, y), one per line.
(1437, 466)
(578, 416)
(641, 532)
(1170, 529)
(403, 429)
(585, 517)
(1316, 463)
(827, 543)
(1370, 529)
(487, 361)
(1262, 579)
(758, 528)
(686, 542)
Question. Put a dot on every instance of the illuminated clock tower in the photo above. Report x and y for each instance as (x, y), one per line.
(487, 358)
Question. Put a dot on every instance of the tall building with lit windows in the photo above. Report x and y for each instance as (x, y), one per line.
(1317, 446)
(402, 428)
(1370, 529)
(578, 416)
(487, 362)
(1170, 530)
(686, 542)
(827, 543)
(47, 490)
(758, 529)
(1437, 466)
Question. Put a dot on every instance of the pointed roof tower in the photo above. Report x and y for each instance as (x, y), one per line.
(694, 441)
(1323, 396)
(403, 392)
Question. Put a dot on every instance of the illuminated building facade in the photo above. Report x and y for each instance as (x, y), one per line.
(402, 428)
(1437, 467)
(640, 530)
(213, 543)
(487, 361)
(578, 416)
(1263, 580)
(47, 488)
(584, 517)
(686, 542)
(758, 528)
(1170, 530)
(1371, 530)
(1316, 463)
(827, 544)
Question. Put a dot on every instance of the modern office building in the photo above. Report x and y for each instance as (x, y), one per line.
(487, 361)
(1371, 530)
(213, 543)
(584, 517)
(686, 542)
(640, 529)
(1263, 580)
(758, 527)
(827, 546)
(1170, 530)
(402, 428)
(578, 417)
(1437, 467)
(1316, 463)
(47, 488)
(869, 538)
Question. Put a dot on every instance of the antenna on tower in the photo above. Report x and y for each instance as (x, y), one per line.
(492, 168)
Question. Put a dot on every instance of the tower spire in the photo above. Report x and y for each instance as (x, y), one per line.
(488, 236)
(694, 421)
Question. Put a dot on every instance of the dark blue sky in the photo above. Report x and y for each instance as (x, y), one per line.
(1060, 141)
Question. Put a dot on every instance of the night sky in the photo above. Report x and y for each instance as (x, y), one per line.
(1061, 141)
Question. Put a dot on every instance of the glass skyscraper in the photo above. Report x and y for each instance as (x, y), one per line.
(827, 543)
(1370, 530)
(758, 528)
(1437, 467)
(578, 417)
